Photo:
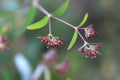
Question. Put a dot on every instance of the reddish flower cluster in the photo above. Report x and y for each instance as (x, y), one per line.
(64, 66)
(89, 31)
(51, 41)
(4, 45)
(90, 50)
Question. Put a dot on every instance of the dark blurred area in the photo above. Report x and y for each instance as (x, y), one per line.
(103, 14)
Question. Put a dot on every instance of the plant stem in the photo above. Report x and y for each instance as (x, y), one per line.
(50, 25)
(81, 36)
(37, 5)
(70, 25)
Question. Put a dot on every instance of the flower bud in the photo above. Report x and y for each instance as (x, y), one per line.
(93, 53)
(44, 39)
(86, 52)
(97, 47)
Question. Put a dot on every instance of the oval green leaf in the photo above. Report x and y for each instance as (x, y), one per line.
(74, 38)
(61, 10)
(39, 24)
(84, 20)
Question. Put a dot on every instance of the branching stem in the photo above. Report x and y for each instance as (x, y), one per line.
(37, 5)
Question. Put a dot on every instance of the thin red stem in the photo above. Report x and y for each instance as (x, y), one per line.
(70, 25)
(81, 36)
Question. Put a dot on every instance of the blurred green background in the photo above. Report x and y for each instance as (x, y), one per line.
(104, 14)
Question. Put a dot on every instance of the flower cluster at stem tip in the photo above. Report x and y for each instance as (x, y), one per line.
(90, 50)
(51, 41)
(89, 31)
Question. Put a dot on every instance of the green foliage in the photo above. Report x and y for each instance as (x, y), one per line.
(61, 10)
(6, 75)
(3, 30)
(74, 38)
(28, 20)
(84, 20)
(39, 24)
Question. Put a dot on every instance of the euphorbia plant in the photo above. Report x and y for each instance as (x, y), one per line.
(89, 49)
(50, 58)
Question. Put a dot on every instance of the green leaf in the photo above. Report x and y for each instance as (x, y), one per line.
(84, 20)
(39, 24)
(61, 10)
(74, 38)
(28, 20)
